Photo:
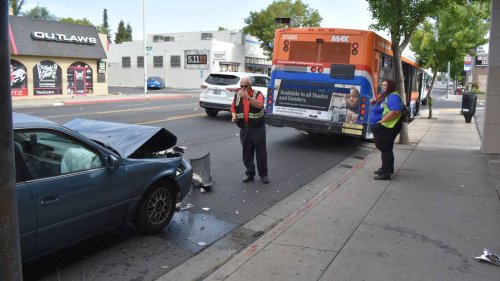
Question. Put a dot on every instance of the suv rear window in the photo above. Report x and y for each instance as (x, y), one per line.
(222, 79)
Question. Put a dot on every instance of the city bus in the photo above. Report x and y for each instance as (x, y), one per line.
(323, 79)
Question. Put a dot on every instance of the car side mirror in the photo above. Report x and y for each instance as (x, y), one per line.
(112, 162)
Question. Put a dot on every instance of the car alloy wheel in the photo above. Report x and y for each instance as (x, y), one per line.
(157, 207)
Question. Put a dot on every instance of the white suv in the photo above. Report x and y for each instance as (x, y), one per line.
(217, 92)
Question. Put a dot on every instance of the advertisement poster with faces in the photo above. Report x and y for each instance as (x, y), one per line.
(322, 101)
(47, 78)
(18, 79)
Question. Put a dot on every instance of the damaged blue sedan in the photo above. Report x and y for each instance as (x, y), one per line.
(86, 177)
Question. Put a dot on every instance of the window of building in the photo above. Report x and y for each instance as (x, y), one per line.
(125, 61)
(158, 61)
(175, 61)
(140, 61)
(206, 36)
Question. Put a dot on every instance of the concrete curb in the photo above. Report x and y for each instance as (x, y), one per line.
(271, 222)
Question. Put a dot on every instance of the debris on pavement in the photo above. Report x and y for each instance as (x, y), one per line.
(490, 257)
(205, 208)
(202, 243)
(188, 206)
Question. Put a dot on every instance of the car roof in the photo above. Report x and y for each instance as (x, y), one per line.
(21, 118)
(239, 74)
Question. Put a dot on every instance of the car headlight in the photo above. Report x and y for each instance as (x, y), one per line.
(180, 169)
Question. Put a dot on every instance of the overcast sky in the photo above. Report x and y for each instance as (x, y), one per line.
(197, 15)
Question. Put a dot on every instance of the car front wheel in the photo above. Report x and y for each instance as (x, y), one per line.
(211, 112)
(156, 209)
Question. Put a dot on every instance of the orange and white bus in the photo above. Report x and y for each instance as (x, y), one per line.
(315, 70)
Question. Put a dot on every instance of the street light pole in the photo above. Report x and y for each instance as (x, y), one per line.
(145, 51)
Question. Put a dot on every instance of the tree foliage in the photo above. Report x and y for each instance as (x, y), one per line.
(16, 6)
(83, 21)
(450, 36)
(121, 33)
(104, 27)
(401, 18)
(40, 13)
(128, 30)
(261, 24)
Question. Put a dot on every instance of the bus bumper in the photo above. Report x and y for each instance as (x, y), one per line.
(317, 126)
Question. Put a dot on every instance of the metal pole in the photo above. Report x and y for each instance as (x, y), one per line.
(448, 80)
(10, 253)
(145, 51)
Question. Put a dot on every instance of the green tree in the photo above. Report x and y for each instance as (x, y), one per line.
(261, 24)
(40, 13)
(128, 30)
(16, 6)
(83, 21)
(104, 27)
(121, 34)
(449, 37)
(401, 18)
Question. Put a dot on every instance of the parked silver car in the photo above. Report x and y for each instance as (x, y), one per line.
(87, 177)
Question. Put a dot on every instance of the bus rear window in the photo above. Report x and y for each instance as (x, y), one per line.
(303, 51)
(335, 52)
(313, 52)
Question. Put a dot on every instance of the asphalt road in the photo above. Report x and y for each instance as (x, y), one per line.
(294, 159)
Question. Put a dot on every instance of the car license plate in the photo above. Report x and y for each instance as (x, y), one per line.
(216, 92)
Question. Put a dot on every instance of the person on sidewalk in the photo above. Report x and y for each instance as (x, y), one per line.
(247, 112)
(385, 124)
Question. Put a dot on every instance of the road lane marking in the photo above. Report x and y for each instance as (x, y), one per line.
(172, 118)
(121, 110)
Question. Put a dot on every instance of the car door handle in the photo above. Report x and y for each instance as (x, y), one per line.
(48, 199)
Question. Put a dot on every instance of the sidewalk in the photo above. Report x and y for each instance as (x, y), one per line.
(91, 99)
(428, 223)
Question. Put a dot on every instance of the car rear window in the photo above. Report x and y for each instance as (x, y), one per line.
(222, 79)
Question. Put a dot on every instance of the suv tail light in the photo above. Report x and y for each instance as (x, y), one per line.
(232, 90)
(203, 87)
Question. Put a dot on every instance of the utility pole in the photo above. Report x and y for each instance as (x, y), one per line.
(447, 80)
(145, 51)
(10, 253)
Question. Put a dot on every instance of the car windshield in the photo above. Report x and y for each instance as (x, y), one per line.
(222, 79)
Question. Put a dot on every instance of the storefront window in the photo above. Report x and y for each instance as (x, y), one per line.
(80, 80)
(18, 79)
(47, 78)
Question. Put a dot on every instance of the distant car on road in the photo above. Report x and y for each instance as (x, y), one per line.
(156, 83)
(86, 177)
(218, 90)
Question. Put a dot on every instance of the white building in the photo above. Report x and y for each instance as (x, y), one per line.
(184, 60)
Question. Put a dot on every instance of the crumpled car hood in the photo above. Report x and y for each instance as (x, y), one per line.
(126, 139)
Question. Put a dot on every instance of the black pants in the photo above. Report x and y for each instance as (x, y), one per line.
(253, 141)
(384, 141)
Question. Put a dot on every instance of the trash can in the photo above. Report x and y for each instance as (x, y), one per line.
(468, 106)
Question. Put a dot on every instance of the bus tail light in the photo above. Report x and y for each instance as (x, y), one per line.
(313, 69)
(320, 69)
(363, 112)
(363, 105)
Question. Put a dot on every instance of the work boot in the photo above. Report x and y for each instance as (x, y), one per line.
(264, 179)
(248, 179)
(383, 177)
